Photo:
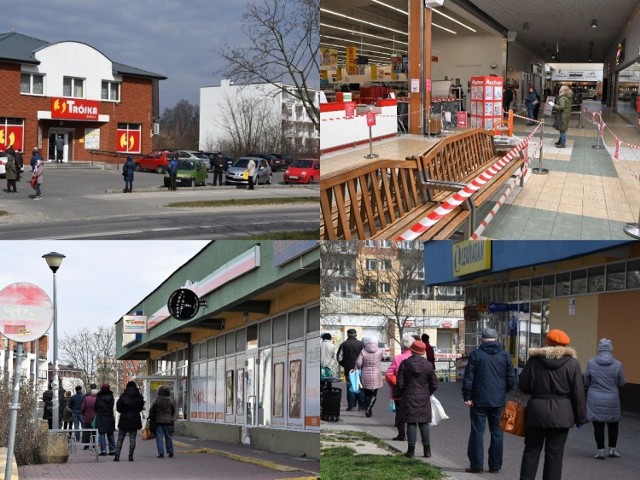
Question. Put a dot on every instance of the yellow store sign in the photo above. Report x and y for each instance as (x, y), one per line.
(471, 256)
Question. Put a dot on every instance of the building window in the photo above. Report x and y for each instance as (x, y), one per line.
(579, 282)
(110, 91)
(372, 264)
(32, 83)
(615, 276)
(385, 243)
(633, 274)
(563, 284)
(370, 243)
(385, 265)
(73, 87)
(385, 287)
(595, 280)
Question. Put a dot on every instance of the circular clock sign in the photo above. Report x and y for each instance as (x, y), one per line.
(26, 312)
(183, 304)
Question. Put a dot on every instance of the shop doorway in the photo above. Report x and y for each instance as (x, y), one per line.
(67, 137)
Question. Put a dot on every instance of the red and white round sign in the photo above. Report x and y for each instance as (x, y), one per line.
(26, 312)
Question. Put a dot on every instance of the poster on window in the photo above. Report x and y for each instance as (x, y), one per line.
(240, 392)
(220, 380)
(127, 141)
(312, 385)
(11, 135)
(229, 393)
(295, 388)
(195, 392)
(211, 390)
(278, 389)
(92, 139)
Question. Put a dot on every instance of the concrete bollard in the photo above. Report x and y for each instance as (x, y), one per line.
(53, 447)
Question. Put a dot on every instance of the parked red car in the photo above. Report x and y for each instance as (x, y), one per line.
(155, 161)
(304, 170)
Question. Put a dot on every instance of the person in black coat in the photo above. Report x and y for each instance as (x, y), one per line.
(129, 405)
(417, 381)
(105, 420)
(47, 414)
(488, 376)
(553, 378)
(347, 355)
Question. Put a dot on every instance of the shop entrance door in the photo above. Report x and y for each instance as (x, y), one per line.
(67, 136)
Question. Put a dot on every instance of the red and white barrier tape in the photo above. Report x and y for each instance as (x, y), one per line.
(460, 197)
(505, 195)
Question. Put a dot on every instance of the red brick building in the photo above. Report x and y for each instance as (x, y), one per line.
(102, 109)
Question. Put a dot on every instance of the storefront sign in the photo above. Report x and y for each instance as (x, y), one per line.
(285, 251)
(183, 304)
(74, 109)
(471, 256)
(134, 324)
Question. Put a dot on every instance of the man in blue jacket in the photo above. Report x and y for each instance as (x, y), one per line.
(488, 376)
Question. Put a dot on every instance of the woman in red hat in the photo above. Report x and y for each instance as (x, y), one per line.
(553, 378)
(417, 381)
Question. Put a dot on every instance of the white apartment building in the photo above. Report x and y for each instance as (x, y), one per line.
(218, 103)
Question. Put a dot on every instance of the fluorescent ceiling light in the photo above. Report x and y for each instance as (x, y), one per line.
(354, 32)
(353, 19)
(433, 10)
(446, 29)
(360, 43)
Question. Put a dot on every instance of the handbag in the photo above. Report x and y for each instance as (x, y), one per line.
(437, 411)
(354, 381)
(124, 172)
(34, 180)
(325, 372)
(513, 415)
(392, 405)
(147, 433)
(557, 122)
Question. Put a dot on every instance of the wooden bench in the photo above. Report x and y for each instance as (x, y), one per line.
(385, 198)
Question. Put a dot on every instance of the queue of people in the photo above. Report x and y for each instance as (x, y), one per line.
(560, 396)
(96, 409)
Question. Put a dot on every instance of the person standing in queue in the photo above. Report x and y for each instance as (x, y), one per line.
(173, 173)
(488, 376)
(368, 363)
(348, 353)
(553, 378)
(162, 412)
(417, 381)
(129, 405)
(38, 173)
(603, 379)
(127, 172)
(11, 173)
(392, 379)
(251, 171)
(105, 420)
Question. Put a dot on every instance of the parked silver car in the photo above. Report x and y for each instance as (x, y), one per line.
(237, 174)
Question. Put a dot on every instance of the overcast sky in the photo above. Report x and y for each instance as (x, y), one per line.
(174, 38)
(98, 281)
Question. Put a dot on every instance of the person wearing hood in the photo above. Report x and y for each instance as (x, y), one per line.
(553, 378)
(563, 108)
(394, 391)
(162, 413)
(602, 379)
(417, 381)
(127, 172)
(105, 420)
(369, 362)
(488, 376)
(129, 405)
(38, 173)
(348, 353)
(328, 357)
(88, 409)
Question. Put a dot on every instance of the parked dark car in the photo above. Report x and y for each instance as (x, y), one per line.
(288, 160)
(274, 162)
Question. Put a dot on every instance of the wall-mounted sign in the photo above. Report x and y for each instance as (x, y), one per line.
(134, 324)
(183, 304)
(26, 312)
(471, 256)
(74, 109)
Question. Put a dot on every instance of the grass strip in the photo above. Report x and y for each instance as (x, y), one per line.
(245, 201)
(342, 463)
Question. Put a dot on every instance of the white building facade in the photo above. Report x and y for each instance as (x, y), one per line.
(219, 103)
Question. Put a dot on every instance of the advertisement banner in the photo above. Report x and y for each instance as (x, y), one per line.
(328, 58)
(352, 60)
(312, 384)
(74, 109)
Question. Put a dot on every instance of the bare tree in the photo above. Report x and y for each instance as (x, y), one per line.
(250, 124)
(388, 276)
(93, 352)
(284, 39)
(179, 127)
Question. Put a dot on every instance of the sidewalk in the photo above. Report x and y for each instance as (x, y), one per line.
(449, 442)
(194, 460)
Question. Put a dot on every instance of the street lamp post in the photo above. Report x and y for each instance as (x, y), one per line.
(54, 260)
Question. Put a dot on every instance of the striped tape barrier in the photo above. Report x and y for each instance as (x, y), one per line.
(461, 196)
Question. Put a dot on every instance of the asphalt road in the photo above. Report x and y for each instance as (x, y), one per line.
(85, 202)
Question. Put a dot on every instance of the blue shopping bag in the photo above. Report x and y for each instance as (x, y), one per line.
(354, 381)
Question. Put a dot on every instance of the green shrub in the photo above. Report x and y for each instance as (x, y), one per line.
(25, 447)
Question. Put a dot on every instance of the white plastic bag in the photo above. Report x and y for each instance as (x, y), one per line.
(437, 411)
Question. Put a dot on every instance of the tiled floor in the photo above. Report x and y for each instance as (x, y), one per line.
(586, 195)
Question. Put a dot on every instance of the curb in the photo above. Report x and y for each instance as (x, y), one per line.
(3, 461)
